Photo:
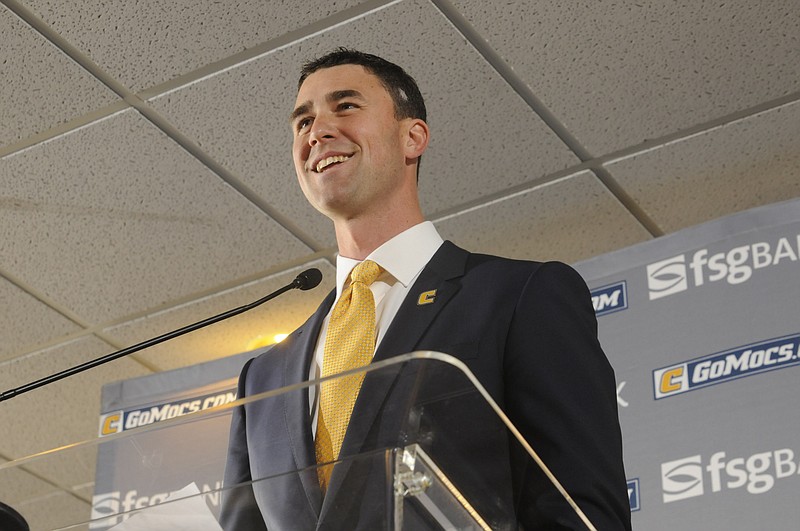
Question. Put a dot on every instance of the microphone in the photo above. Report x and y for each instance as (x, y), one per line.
(11, 520)
(308, 279)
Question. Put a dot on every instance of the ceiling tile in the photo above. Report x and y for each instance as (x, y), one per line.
(115, 218)
(118, 226)
(484, 137)
(62, 412)
(146, 42)
(617, 73)
(568, 220)
(234, 335)
(240, 118)
(41, 86)
(745, 164)
(26, 322)
(16, 485)
(54, 511)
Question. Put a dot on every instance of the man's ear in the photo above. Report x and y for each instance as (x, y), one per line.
(416, 138)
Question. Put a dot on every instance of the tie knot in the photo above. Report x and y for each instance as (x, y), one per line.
(366, 272)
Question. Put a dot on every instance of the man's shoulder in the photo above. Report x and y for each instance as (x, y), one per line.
(482, 263)
(516, 274)
(264, 361)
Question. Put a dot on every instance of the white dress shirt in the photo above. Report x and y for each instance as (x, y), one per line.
(402, 258)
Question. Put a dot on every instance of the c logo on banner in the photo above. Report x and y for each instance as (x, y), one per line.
(671, 380)
(111, 423)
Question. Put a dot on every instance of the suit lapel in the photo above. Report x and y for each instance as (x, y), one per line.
(412, 320)
(297, 363)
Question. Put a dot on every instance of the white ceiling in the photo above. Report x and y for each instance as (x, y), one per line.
(146, 178)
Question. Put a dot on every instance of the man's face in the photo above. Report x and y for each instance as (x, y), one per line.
(348, 143)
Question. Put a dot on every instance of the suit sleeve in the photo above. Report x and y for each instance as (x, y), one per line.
(239, 511)
(561, 393)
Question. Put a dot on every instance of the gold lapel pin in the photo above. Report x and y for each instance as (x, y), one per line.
(426, 297)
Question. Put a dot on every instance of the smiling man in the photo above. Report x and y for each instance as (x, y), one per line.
(526, 329)
(355, 156)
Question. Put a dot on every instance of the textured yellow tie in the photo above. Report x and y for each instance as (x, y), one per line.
(349, 344)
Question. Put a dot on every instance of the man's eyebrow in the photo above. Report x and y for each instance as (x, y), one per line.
(300, 110)
(331, 97)
(337, 95)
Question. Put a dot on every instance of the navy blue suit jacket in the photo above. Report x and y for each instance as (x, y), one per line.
(527, 330)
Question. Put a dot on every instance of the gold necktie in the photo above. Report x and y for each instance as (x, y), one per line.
(349, 344)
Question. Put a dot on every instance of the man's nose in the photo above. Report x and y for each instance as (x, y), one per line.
(322, 129)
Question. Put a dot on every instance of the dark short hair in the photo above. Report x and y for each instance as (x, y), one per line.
(408, 101)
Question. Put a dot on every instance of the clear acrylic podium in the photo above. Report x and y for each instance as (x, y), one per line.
(427, 448)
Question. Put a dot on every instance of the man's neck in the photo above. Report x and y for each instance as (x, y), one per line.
(358, 238)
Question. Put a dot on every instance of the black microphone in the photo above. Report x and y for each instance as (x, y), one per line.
(11, 520)
(308, 279)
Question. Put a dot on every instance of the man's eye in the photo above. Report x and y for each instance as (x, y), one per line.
(347, 105)
(303, 123)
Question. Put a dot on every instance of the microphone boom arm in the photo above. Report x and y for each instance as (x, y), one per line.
(306, 280)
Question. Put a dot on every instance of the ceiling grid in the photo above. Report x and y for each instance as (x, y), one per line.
(146, 180)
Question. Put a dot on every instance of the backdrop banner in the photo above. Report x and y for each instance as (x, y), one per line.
(138, 473)
(703, 330)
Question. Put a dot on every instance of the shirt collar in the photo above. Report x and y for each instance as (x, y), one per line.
(403, 256)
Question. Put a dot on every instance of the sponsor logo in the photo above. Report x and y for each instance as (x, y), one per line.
(757, 473)
(610, 299)
(725, 366)
(735, 266)
(621, 402)
(667, 277)
(110, 423)
(633, 494)
(114, 507)
(104, 510)
(682, 478)
(118, 421)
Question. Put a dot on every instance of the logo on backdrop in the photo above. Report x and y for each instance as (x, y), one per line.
(724, 366)
(667, 277)
(633, 494)
(119, 421)
(682, 478)
(105, 507)
(621, 402)
(610, 299)
(685, 478)
(735, 266)
(112, 508)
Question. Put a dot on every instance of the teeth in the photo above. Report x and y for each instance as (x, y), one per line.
(321, 165)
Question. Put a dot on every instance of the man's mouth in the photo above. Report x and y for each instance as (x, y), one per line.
(324, 163)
